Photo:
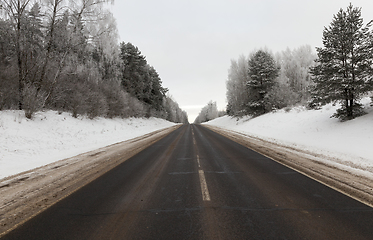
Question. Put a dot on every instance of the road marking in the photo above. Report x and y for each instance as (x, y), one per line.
(201, 173)
(205, 191)
(181, 173)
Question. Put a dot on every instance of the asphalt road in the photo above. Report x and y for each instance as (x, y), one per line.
(196, 184)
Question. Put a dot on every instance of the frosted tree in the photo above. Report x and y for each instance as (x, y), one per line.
(344, 66)
(16, 12)
(47, 35)
(64, 55)
(173, 111)
(294, 73)
(237, 93)
(207, 113)
(105, 44)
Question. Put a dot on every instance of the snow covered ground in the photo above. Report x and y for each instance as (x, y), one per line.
(349, 143)
(26, 144)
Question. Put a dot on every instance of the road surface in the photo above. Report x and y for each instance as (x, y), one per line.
(196, 184)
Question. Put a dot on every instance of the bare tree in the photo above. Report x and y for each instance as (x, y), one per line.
(15, 10)
(237, 93)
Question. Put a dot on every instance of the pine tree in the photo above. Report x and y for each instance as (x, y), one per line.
(133, 70)
(155, 91)
(140, 79)
(262, 72)
(344, 64)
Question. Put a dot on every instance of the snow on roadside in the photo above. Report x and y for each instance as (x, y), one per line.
(26, 144)
(349, 143)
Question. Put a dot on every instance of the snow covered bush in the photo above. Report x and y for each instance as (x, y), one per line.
(33, 100)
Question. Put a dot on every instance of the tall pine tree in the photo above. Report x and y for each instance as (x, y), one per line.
(133, 70)
(139, 78)
(344, 65)
(262, 72)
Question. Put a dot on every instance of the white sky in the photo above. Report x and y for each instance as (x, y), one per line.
(191, 42)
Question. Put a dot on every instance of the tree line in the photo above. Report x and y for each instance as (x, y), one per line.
(209, 112)
(64, 55)
(341, 72)
(264, 81)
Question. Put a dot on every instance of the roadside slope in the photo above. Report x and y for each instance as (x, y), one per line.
(26, 194)
(338, 154)
(26, 144)
(346, 143)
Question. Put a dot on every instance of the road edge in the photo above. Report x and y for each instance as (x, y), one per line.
(357, 187)
(31, 192)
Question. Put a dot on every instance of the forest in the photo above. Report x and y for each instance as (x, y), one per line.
(340, 72)
(64, 56)
(264, 81)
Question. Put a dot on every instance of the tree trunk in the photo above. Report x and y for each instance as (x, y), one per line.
(349, 103)
(20, 93)
(351, 113)
(49, 45)
(19, 60)
(346, 102)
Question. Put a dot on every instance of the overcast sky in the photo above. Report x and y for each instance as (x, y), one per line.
(191, 42)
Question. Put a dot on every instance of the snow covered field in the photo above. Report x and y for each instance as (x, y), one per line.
(26, 144)
(349, 143)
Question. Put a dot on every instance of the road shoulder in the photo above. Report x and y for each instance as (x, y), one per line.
(25, 195)
(357, 186)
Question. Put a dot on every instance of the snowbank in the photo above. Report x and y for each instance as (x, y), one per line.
(26, 144)
(349, 142)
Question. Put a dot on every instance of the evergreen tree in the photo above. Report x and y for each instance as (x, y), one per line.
(344, 64)
(262, 74)
(133, 70)
(155, 91)
(139, 78)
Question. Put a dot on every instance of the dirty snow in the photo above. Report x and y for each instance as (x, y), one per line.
(26, 144)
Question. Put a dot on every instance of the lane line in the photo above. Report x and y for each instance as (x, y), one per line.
(181, 173)
(201, 173)
(205, 191)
